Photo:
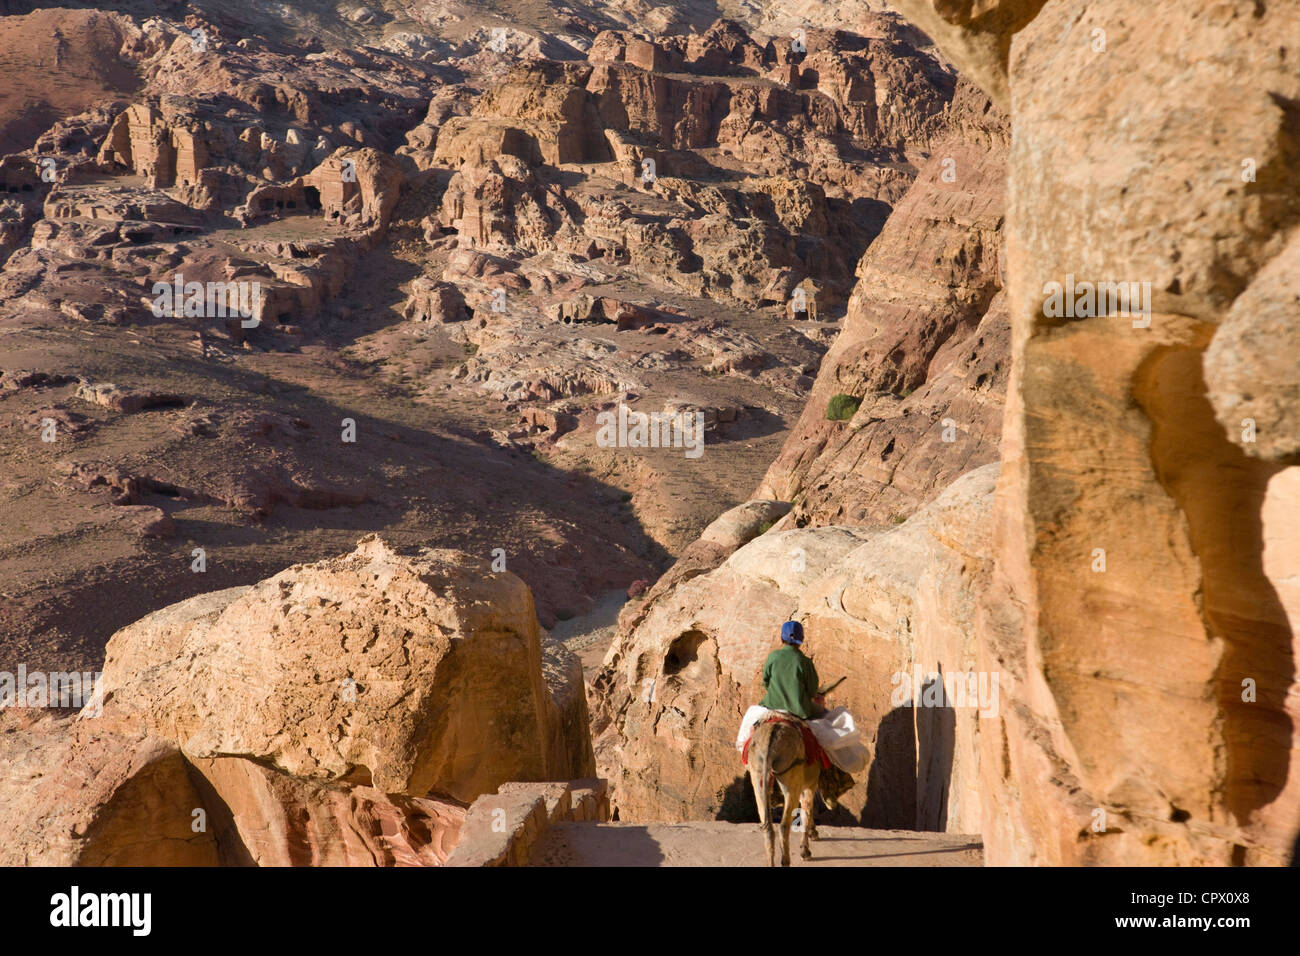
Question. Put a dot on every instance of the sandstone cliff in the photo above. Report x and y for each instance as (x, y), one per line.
(924, 347)
(1141, 610)
(1133, 588)
(924, 352)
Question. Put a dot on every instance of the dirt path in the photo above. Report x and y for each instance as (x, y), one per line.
(740, 844)
(589, 635)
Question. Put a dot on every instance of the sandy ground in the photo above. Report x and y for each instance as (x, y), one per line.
(740, 844)
(589, 635)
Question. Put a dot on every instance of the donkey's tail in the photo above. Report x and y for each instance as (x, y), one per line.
(760, 773)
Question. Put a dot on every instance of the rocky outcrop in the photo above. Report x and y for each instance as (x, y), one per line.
(923, 350)
(503, 829)
(81, 794)
(261, 817)
(1141, 613)
(886, 541)
(976, 35)
(434, 301)
(1249, 367)
(342, 713)
(892, 611)
(539, 113)
(425, 671)
(1133, 585)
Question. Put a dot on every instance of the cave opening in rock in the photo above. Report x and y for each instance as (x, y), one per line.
(683, 652)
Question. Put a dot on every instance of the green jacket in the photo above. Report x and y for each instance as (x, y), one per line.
(790, 680)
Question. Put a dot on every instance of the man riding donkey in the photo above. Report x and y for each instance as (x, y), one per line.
(790, 738)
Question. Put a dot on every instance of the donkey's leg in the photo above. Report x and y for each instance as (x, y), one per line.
(806, 817)
(787, 816)
(762, 781)
(812, 803)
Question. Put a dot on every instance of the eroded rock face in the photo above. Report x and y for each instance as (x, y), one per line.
(99, 792)
(883, 609)
(924, 353)
(977, 35)
(1250, 363)
(414, 673)
(342, 713)
(79, 793)
(265, 818)
(1141, 591)
(924, 348)
(1156, 691)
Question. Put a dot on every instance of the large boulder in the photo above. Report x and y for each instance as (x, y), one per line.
(342, 713)
(414, 673)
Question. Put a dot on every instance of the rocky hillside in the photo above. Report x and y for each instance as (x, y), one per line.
(922, 359)
(1131, 583)
(451, 258)
(265, 290)
(316, 315)
(879, 570)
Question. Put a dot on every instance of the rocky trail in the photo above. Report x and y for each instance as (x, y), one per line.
(714, 843)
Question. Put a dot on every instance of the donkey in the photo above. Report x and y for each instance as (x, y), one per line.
(776, 751)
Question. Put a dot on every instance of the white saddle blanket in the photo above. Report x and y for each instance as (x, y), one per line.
(836, 732)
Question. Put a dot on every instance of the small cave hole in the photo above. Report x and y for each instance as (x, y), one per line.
(683, 652)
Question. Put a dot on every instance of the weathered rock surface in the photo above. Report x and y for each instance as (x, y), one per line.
(1250, 365)
(414, 673)
(977, 35)
(1139, 613)
(883, 609)
(924, 350)
(266, 818)
(94, 792)
(342, 713)
(924, 347)
(1137, 588)
(77, 793)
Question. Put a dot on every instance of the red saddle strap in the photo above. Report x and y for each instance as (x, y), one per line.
(812, 749)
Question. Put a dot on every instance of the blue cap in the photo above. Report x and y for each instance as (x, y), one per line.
(792, 632)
